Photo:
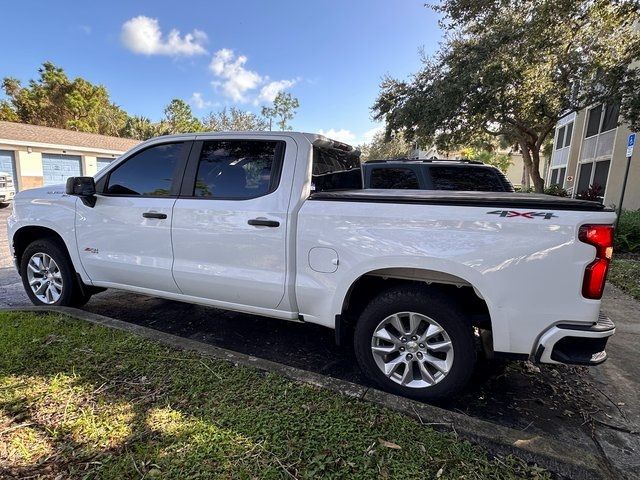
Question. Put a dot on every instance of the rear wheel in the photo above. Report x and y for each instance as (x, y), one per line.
(48, 276)
(415, 343)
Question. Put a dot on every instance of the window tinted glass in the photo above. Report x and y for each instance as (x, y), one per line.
(467, 178)
(560, 139)
(601, 175)
(593, 124)
(567, 137)
(404, 178)
(554, 176)
(335, 169)
(150, 172)
(561, 175)
(237, 168)
(584, 178)
(610, 120)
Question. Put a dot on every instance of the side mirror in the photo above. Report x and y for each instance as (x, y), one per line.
(83, 187)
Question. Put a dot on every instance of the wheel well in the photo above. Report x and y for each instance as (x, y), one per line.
(370, 285)
(25, 235)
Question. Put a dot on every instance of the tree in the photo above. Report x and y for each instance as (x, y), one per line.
(382, 148)
(140, 128)
(499, 160)
(234, 119)
(54, 100)
(514, 68)
(283, 108)
(178, 118)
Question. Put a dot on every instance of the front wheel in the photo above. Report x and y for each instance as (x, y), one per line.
(48, 276)
(415, 343)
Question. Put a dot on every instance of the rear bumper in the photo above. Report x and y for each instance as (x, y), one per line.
(575, 344)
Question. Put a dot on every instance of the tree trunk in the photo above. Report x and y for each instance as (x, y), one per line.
(531, 160)
(538, 182)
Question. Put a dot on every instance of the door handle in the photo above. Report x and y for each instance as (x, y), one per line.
(259, 222)
(160, 216)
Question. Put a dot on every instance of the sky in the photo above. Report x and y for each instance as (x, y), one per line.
(331, 55)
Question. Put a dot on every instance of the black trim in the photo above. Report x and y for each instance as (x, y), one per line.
(257, 222)
(464, 199)
(158, 215)
(178, 172)
(187, 186)
(511, 356)
(580, 350)
(604, 324)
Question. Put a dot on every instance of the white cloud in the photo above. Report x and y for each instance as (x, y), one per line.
(143, 35)
(237, 80)
(86, 29)
(239, 83)
(269, 92)
(199, 102)
(367, 136)
(342, 135)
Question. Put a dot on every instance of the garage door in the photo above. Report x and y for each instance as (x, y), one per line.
(7, 165)
(57, 168)
(104, 162)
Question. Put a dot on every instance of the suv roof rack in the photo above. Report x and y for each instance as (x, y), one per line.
(426, 160)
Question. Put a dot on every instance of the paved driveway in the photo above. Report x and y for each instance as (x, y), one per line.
(596, 409)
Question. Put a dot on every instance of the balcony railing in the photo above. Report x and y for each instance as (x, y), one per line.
(560, 156)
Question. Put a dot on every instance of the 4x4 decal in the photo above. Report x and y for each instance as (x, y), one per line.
(530, 215)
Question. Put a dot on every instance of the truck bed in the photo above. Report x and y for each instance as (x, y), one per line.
(468, 199)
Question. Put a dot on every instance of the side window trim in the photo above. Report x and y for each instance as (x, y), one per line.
(187, 187)
(178, 173)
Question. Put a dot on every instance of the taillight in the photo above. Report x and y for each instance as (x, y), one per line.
(601, 237)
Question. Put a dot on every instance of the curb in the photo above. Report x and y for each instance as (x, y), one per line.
(557, 457)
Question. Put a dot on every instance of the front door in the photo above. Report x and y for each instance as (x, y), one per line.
(230, 222)
(125, 238)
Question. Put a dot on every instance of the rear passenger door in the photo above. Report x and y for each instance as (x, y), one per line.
(229, 230)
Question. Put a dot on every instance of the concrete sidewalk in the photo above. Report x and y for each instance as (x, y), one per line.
(617, 425)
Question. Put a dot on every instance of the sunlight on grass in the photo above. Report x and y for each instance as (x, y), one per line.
(79, 401)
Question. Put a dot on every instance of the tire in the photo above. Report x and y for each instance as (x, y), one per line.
(61, 276)
(452, 349)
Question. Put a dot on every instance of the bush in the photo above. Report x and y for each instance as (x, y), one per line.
(556, 190)
(628, 232)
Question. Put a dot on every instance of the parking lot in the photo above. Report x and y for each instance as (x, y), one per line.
(595, 409)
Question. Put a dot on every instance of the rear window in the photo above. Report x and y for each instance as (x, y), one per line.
(335, 168)
(402, 178)
(467, 178)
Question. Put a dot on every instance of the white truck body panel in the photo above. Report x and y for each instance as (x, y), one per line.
(528, 270)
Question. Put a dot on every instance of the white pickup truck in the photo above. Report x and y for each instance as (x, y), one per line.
(277, 224)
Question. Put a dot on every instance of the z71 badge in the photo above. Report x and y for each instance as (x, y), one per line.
(530, 215)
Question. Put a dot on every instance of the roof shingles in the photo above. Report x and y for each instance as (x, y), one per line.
(56, 136)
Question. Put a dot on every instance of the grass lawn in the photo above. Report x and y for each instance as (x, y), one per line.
(84, 401)
(625, 274)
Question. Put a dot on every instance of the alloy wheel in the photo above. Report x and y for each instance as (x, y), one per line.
(412, 349)
(45, 278)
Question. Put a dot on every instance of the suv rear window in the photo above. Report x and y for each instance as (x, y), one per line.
(403, 178)
(466, 178)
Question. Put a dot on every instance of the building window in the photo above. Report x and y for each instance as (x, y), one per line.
(560, 138)
(569, 132)
(592, 180)
(593, 122)
(563, 139)
(610, 120)
(557, 176)
(602, 118)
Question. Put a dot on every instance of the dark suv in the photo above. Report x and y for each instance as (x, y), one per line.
(461, 175)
